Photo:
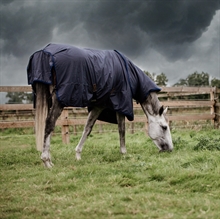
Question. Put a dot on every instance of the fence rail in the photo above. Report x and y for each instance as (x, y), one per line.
(22, 115)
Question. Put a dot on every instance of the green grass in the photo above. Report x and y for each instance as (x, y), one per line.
(105, 184)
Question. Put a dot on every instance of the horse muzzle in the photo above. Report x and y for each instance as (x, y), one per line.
(165, 148)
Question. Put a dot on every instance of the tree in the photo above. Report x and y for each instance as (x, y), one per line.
(181, 82)
(19, 97)
(215, 82)
(195, 79)
(161, 79)
(151, 76)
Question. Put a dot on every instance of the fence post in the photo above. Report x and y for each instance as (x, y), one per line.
(217, 109)
(132, 128)
(146, 127)
(217, 114)
(212, 110)
(65, 126)
(100, 128)
(75, 129)
(170, 111)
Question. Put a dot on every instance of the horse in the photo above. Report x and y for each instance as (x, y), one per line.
(105, 81)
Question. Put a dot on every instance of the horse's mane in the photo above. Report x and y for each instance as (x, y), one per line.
(152, 104)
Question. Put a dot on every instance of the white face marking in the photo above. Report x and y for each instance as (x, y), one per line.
(159, 132)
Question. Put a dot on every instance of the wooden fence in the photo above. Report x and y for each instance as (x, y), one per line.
(181, 109)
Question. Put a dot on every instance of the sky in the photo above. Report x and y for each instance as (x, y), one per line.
(176, 37)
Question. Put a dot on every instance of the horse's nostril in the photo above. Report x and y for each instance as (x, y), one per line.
(165, 147)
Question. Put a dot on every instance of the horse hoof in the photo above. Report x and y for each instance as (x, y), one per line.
(123, 151)
(78, 156)
(48, 164)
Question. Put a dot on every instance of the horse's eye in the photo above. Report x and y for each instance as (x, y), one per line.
(164, 127)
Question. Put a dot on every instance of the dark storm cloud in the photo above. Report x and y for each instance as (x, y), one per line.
(164, 25)
(130, 26)
(25, 26)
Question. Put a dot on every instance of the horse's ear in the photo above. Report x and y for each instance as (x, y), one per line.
(161, 110)
(165, 111)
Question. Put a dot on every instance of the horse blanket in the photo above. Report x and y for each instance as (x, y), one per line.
(89, 77)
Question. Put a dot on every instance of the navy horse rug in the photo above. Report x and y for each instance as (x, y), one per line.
(89, 78)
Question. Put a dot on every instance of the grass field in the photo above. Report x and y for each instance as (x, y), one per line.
(105, 184)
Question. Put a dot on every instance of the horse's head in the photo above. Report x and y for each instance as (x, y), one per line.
(159, 131)
(158, 127)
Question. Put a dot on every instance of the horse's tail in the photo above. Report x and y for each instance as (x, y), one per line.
(42, 106)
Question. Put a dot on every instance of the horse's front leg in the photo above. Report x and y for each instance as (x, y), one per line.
(52, 117)
(121, 130)
(92, 117)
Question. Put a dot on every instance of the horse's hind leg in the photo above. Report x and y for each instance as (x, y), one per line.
(92, 117)
(52, 117)
(121, 130)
